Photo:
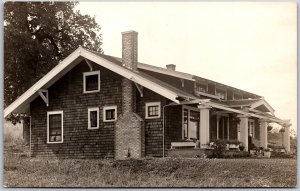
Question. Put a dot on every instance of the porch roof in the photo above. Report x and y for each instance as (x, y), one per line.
(251, 113)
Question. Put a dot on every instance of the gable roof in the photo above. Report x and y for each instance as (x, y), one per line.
(177, 74)
(253, 104)
(21, 105)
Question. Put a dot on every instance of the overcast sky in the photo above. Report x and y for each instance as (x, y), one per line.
(248, 45)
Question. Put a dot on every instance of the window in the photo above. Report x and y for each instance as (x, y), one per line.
(194, 124)
(221, 93)
(152, 110)
(93, 118)
(201, 88)
(190, 123)
(237, 96)
(110, 113)
(55, 127)
(251, 127)
(91, 82)
(185, 123)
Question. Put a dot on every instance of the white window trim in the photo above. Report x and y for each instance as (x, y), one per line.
(108, 108)
(62, 125)
(85, 74)
(89, 117)
(152, 104)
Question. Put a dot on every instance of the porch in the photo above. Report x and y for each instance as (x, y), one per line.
(196, 126)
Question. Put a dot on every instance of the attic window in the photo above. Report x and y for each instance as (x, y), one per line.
(201, 87)
(221, 93)
(237, 96)
(91, 82)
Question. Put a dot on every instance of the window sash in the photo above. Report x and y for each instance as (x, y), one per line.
(91, 82)
(55, 127)
(110, 113)
(93, 118)
(153, 111)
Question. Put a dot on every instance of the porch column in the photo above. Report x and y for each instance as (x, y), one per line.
(218, 128)
(263, 126)
(244, 130)
(286, 137)
(204, 125)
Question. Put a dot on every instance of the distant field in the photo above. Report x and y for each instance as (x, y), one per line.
(22, 171)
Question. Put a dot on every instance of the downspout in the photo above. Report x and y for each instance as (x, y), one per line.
(29, 136)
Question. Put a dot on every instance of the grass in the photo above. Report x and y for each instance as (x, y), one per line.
(23, 171)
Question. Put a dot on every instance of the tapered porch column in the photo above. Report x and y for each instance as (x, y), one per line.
(286, 137)
(263, 126)
(204, 125)
(244, 130)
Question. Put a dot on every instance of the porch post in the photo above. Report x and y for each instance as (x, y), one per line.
(286, 137)
(263, 125)
(218, 119)
(204, 125)
(244, 130)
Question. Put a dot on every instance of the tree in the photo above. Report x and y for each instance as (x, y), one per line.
(37, 35)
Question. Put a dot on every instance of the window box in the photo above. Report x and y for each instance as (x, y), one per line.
(109, 113)
(93, 118)
(55, 127)
(91, 82)
(153, 110)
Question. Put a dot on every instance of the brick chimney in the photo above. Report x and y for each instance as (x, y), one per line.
(171, 67)
(130, 50)
(129, 129)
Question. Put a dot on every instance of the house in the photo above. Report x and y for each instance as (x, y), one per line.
(93, 106)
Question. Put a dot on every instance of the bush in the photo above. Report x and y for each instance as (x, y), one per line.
(218, 149)
(280, 155)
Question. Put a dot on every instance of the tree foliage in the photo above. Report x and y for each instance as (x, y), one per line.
(37, 35)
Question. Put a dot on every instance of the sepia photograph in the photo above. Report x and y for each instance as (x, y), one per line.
(198, 94)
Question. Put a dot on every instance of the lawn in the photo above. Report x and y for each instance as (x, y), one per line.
(22, 171)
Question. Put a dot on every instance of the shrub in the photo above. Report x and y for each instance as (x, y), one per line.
(218, 149)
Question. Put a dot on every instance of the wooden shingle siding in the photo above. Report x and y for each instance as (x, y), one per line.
(67, 95)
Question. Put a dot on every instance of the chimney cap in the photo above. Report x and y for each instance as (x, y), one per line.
(129, 32)
(171, 67)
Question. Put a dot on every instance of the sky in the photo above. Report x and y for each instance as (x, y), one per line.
(248, 45)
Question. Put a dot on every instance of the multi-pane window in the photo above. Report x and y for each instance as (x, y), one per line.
(93, 118)
(55, 127)
(191, 123)
(194, 124)
(201, 88)
(221, 93)
(91, 82)
(109, 113)
(152, 110)
(185, 123)
(251, 127)
(237, 96)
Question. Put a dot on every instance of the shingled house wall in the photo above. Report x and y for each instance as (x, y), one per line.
(67, 95)
(79, 141)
